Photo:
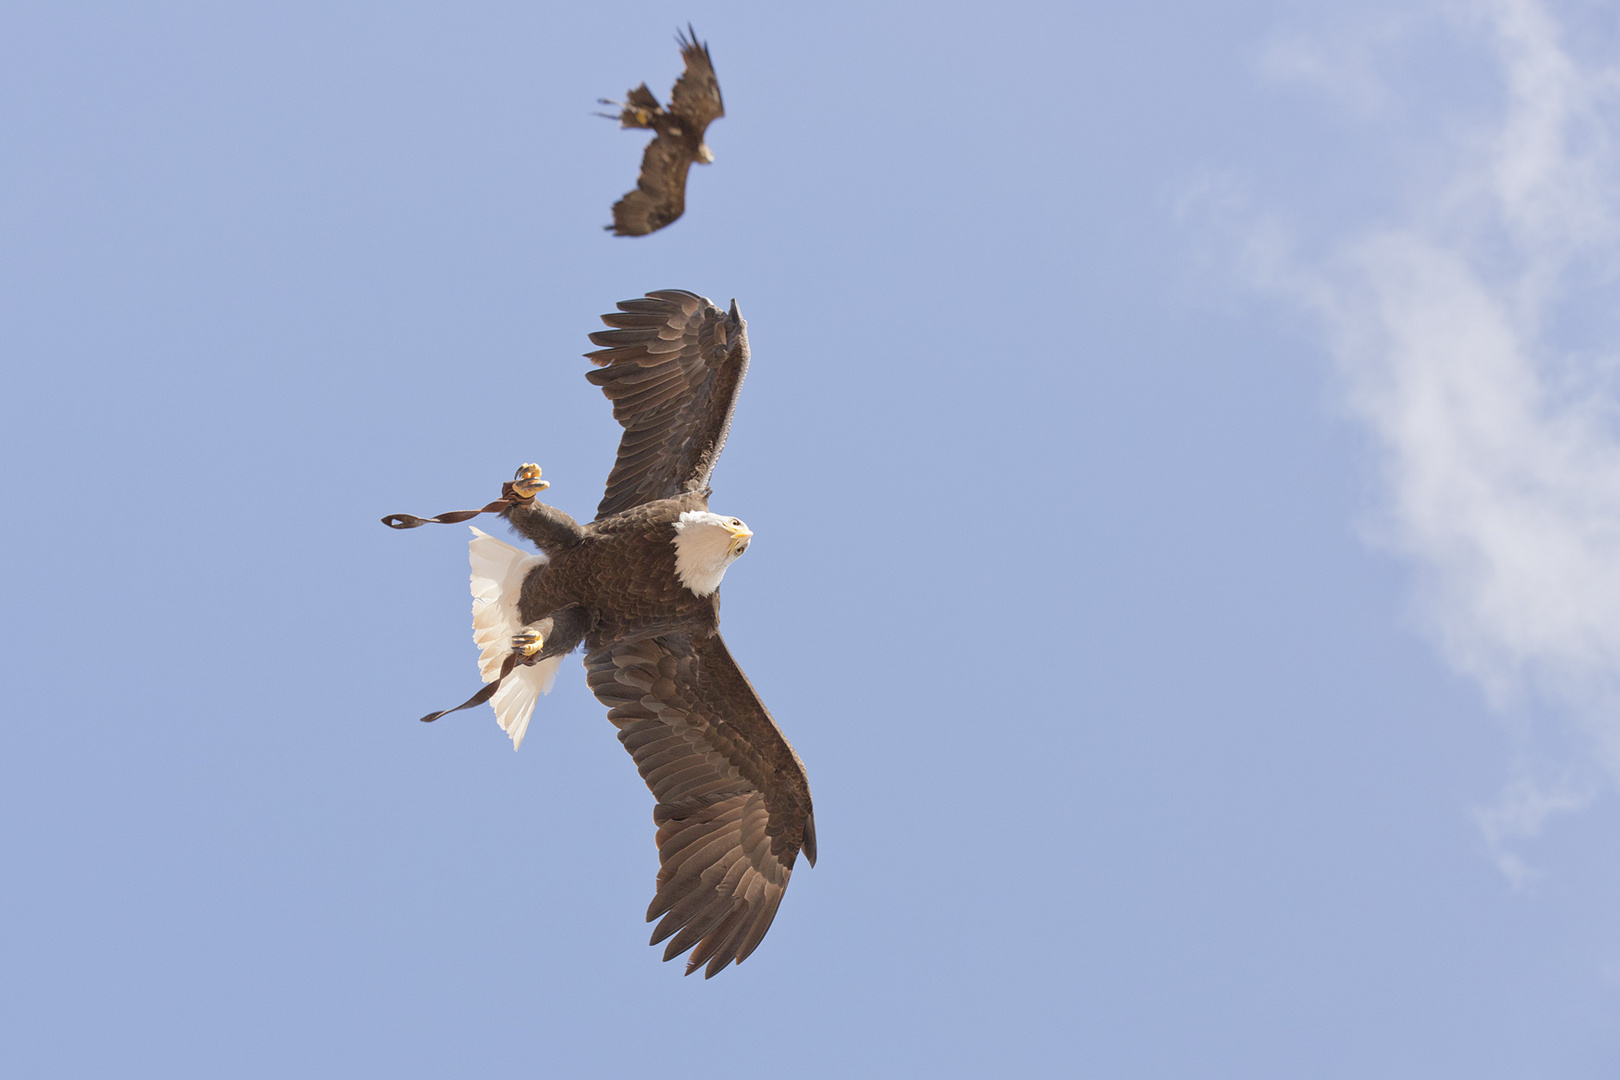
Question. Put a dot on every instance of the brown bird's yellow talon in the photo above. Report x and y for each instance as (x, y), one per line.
(527, 483)
(528, 643)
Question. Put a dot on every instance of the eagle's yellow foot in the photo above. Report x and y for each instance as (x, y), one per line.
(528, 643)
(527, 483)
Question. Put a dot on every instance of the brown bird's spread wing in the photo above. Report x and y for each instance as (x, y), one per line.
(660, 192)
(733, 807)
(672, 368)
(696, 97)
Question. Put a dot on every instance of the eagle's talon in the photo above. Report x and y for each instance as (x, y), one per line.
(527, 483)
(528, 643)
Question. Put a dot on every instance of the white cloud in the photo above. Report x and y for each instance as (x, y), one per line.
(1520, 814)
(1499, 446)
(1347, 70)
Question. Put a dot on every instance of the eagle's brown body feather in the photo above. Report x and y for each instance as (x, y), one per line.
(620, 569)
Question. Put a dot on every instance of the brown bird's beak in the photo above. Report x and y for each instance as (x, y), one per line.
(705, 155)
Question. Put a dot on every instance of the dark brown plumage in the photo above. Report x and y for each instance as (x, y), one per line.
(660, 194)
(733, 803)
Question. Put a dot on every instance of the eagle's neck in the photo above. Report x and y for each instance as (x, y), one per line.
(702, 551)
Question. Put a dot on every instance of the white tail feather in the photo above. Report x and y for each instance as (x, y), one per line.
(498, 570)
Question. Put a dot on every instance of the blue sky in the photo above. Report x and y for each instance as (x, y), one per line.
(1181, 447)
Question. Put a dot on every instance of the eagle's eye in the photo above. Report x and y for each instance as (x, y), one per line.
(736, 521)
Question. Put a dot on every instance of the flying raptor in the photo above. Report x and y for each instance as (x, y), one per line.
(638, 587)
(660, 194)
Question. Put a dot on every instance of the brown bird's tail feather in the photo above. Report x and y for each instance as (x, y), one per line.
(637, 110)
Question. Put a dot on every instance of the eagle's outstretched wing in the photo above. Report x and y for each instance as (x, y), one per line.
(672, 368)
(696, 97)
(659, 196)
(733, 807)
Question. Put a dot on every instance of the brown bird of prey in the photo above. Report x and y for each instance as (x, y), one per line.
(660, 194)
(638, 587)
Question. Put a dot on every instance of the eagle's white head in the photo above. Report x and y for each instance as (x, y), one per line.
(705, 544)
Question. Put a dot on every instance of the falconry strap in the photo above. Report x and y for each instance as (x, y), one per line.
(489, 689)
(411, 521)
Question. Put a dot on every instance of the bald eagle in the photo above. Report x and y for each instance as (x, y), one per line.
(660, 194)
(638, 587)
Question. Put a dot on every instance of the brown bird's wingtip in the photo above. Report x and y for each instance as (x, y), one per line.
(809, 846)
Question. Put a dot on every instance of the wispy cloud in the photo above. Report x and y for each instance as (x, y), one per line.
(1520, 814)
(1347, 69)
(1499, 446)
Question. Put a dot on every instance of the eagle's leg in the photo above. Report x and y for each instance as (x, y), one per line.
(549, 528)
(556, 635)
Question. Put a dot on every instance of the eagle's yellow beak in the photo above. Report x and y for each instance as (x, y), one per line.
(739, 533)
